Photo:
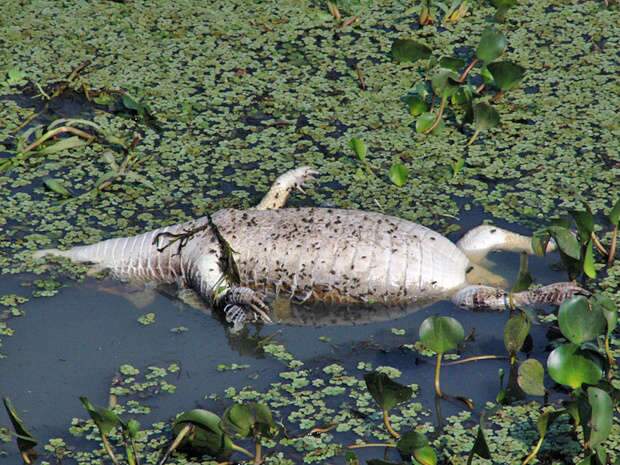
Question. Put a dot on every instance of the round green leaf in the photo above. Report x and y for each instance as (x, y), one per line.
(492, 45)
(588, 261)
(416, 104)
(601, 417)
(424, 122)
(441, 333)
(359, 147)
(530, 377)
(579, 321)
(507, 75)
(410, 441)
(486, 75)
(444, 82)
(485, 116)
(105, 419)
(455, 64)
(585, 222)
(399, 174)
(238, 420)
(570, 366)
(133, 427)
(516, 330)
(425, 455)
(407, 50)
(566, 241)
(207, 436)
(386, 392)
(609, 309)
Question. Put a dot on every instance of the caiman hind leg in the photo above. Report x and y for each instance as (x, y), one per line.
(241, 305)
(284, 185)
(493, 298)
(481, 240)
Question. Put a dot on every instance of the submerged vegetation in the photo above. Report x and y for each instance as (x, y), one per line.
(143, 113)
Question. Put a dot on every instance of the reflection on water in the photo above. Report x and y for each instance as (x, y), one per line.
(73, 343)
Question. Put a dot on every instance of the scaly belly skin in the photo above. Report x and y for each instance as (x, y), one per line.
(341, 256)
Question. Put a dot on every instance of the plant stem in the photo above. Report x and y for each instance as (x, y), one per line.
(480, 88)
(610, 358)
(612, 247)
(476, 358)
(55, 132)
(245, 452)
(108, 449)
(388, 425)
(463, 76)
(534, 452)
(258, 455)
(596, 241)
(442, 107)
(437, 373)
(177, 441)
(371, 444)
(473, 138)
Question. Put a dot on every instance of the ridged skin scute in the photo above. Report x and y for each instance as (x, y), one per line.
(334, 255)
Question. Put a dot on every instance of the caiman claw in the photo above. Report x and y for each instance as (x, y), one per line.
(241, 305)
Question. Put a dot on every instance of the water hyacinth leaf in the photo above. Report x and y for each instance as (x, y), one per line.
(424, 122)
(207, 435)
(407, 50)
(585, 223)
(588, 261)
(455, 64)
(132, 427)
(350, 458)
(25, 440)
(457, 166)
(63, 144)
(601, 416)
(531, 376)
(410, 441)
(463, 95)
(614, 214)
(492, 45)
(248, 419)
(385, 391)
(359, 148)
(416, 105)
(524, 278)
(581, 322)
(425, 455)
(444, 82)
(515, 331)
(609, 309)
(480, 447)
(486, 75)
(570, 366)
(441, 333)
(546, 419)
(566, 241)
(15, 76)
(57, 186)
(540, 240)
(506, 75)
(105, 419)
(485, 116)
(399, 174)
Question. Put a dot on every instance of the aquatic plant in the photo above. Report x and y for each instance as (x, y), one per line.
(445, 81)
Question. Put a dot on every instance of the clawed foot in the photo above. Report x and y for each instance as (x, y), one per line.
(242, 305)
(556, 293)
(297, 178)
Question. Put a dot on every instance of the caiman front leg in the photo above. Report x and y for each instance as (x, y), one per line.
(284, 185)
(493, 298)
(241, 305)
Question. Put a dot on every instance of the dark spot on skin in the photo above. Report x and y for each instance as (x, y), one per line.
(469, 269)
(432, 238)
(493, 230)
